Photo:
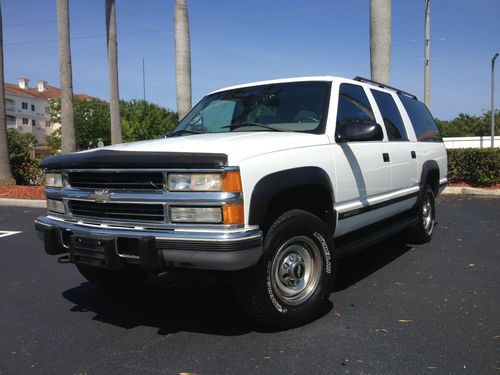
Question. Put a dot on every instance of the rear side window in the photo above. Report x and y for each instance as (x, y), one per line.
(392, 118)
(354, 106)
(426, 129)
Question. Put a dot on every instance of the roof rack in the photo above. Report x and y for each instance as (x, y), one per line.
(366, 80)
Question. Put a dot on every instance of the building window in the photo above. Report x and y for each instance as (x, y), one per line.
(33, 122)
(25, 121)
(47, 124)
(33, 107)
(24, 105)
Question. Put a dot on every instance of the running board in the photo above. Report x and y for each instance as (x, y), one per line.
(352, 242)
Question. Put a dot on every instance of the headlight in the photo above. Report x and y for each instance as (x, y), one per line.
(194, 182)
(53, 180)
(205, 215)
(55, 205)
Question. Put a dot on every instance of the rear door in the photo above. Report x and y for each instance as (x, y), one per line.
(402, 155)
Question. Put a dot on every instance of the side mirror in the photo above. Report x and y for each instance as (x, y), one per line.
(359, 132)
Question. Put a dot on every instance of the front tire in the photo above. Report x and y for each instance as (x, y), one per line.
(113, 279)
(292, 282)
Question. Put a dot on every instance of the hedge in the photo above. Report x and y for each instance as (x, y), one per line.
(474, 166)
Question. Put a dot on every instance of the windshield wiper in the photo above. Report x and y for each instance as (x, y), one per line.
(248, 123)
(184, 131)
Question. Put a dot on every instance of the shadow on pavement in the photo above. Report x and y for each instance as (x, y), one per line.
(204, 302)
(363, 263)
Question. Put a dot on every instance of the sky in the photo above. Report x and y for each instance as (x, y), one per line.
(237, 41)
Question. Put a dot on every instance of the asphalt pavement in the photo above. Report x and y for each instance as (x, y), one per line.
(395, 309)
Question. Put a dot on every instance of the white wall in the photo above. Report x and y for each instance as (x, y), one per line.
(474, 142)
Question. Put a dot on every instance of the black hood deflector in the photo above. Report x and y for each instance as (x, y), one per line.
(134, 159)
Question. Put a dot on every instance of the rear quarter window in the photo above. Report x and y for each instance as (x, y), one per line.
(423, 123)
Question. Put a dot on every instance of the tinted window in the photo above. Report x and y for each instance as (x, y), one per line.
(354, 106)
(426, 129)
(392, 118)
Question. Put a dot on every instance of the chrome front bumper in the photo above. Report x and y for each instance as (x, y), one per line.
(151, 249)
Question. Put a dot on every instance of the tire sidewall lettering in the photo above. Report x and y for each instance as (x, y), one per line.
(326, 252)
(269, 289)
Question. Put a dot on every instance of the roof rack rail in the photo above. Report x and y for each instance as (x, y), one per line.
(366, 80)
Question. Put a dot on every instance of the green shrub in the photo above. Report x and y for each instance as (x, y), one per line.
(474, 166)
(24, 169)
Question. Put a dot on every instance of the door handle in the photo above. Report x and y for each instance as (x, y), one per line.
(413, 155)
(385, 155)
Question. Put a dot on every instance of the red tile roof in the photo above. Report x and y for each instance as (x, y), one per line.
(50, 92)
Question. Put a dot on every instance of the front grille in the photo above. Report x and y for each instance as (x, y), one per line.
(118, 211)
(116, 180)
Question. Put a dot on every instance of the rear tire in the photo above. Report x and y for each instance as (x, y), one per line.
(421, 231)
(292, 282)
(113, 279)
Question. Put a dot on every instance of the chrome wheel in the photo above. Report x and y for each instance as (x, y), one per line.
(296, 270)
(427, 214)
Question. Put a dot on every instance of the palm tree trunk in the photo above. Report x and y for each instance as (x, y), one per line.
(5, 171)
(114, 95)
(68, 143)
(380, 40)
(182, 58)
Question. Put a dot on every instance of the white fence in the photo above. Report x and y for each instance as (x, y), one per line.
(474, 142)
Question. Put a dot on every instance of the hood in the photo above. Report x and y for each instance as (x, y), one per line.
(237, 146)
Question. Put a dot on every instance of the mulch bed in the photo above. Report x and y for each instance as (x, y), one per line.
(463, 184)
(22, 192)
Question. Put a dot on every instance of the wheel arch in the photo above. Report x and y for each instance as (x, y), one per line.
(307, 188)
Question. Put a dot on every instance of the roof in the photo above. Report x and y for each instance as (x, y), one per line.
(51, 92)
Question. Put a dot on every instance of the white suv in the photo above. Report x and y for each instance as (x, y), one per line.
(273, 181)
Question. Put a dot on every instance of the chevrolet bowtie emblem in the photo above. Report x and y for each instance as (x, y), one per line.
(100, 196)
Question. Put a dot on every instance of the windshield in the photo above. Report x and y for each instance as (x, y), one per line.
(290, 107)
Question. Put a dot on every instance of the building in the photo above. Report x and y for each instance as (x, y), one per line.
(27, 108)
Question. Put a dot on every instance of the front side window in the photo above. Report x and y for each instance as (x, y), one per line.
(425, 127)
(354, 107)
(33, 107)
(289, 107)
(26, 121)
(24, 105)
(392, 118)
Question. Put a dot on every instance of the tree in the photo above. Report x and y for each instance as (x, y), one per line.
(5, 171)
(92, 121)
(114, 95)
(468, 125)
(67, 113)
(380, 40)
(182, 58)
(142, 120)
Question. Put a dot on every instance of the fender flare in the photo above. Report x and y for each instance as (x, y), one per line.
(427, 167)
(270, 186)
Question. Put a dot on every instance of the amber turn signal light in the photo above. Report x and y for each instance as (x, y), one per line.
(231, 182)
(233, 214)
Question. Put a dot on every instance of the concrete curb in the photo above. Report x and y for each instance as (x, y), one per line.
(456, 190)
(31, 203)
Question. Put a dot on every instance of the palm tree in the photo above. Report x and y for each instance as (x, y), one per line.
(182, 58)
(114, 95)
(68, 143)
(380, 40)
(5, 171)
